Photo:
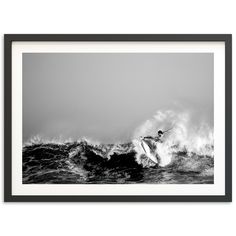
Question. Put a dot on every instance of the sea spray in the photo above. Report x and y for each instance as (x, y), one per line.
(81, 162)
(38, 139)
(184, 136)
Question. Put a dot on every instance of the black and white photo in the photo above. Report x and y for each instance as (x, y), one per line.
(121, 118)
(118, 118)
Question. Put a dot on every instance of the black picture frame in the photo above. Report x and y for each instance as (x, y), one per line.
(10, 38)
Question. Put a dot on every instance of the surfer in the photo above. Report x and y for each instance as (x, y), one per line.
(158, 138)
(149, 145)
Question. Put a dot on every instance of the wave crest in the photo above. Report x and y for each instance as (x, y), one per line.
(184, 136)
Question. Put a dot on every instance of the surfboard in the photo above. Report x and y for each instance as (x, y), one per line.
(147, 151)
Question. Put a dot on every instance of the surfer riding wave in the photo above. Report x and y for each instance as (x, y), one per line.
(149, 145)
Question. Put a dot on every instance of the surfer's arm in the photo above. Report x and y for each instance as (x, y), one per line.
(157, 139)
(148, 137)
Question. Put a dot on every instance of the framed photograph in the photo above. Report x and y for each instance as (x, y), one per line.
(118, 118)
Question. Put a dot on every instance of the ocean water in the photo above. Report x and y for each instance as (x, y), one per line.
(84, 162)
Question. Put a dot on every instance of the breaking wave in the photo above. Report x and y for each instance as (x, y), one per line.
(183, 136)
(185, 156)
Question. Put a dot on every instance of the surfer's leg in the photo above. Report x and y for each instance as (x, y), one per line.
(158, 158)
(155, 154)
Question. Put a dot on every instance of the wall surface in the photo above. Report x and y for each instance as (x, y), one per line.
(121, 16)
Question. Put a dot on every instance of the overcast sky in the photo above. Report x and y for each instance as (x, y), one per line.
(105, 96)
